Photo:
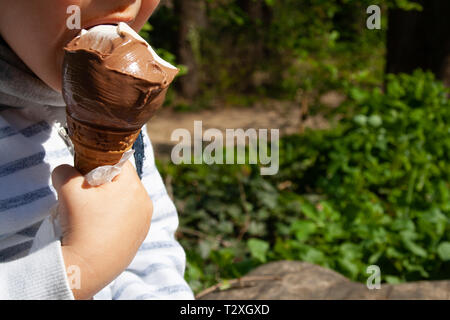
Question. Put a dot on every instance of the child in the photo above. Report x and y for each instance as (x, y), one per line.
(108, 249)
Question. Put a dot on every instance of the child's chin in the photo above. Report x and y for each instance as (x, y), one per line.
(53, 81)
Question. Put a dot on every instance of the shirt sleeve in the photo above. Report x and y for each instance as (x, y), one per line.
(157, 271)
(37, 276)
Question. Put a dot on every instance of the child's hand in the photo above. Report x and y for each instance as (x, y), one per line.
(103, 226)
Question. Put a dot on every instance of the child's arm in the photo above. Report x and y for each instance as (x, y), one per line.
(102, 227)
(158, 268)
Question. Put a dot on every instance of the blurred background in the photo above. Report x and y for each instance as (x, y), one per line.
(364, 117)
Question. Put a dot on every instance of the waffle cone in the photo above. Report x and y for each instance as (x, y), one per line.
(95, 146)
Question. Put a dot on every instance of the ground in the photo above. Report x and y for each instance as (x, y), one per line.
(285, 116)
(295, 280)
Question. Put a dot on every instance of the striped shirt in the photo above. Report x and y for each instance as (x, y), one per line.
(31, 146)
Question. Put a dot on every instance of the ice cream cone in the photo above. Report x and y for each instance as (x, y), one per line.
(95, 146)
(113, 83)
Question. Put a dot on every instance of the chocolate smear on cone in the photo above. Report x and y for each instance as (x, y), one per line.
(113, 83)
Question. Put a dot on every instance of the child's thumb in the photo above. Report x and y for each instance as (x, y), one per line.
(64, 174)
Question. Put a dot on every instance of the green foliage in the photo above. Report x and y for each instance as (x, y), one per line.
(387, 168)
(275, 49)
(373, 190)
(258, 249)
(310, 45)
(291, 45)
(163, 53)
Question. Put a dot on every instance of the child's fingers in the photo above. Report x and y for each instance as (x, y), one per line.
(63, 174)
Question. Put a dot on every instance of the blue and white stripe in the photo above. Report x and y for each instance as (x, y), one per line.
(30, 148)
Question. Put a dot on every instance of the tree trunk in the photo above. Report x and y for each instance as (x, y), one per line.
(420, 39)
(192, 17)
(259, 15)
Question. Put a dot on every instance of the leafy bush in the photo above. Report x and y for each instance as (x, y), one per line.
(373, 190)
(385, 173)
